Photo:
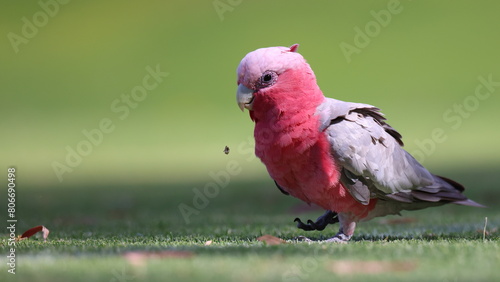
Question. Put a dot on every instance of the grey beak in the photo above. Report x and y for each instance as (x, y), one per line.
(244, 97)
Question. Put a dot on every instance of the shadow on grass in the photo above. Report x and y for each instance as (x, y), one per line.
(241, 212)
(410, 237)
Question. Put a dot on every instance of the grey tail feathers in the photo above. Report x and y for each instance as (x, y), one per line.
(470, 203)
(459, 187)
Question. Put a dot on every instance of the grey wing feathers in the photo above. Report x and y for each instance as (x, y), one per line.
(373, 161)
(357, 186)
(369, 148)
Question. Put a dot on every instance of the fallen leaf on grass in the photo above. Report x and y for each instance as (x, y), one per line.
(32, 231)
(347, 267)
(395, 221)
(138, 258)
(271, 240)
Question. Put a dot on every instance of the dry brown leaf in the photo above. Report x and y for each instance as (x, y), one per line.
(347, 267)
(139, 258)
(32, 231)
(271, 240)
(395, 221)
(208, 243)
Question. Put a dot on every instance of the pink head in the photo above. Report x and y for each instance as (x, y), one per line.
(276, 79)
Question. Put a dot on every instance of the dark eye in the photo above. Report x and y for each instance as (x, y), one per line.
(268, 78)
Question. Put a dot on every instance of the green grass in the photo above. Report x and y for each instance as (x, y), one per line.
(93, 228)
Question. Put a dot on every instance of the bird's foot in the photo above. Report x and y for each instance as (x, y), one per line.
(339, 238)
(328, 217)
(304, 239)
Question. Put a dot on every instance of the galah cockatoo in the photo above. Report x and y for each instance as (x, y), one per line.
(338, 155)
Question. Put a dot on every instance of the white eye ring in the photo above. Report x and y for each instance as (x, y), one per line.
(268, 78)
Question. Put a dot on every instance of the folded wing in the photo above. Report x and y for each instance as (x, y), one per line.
(374, 164)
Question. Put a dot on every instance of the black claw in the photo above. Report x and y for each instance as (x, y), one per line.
(328, 218)
(302, 225)
(312, 224)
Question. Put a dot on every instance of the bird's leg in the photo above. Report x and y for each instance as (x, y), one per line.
(347, 227)
(329, 217)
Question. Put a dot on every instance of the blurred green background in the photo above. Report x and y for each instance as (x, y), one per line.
(64, 79)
